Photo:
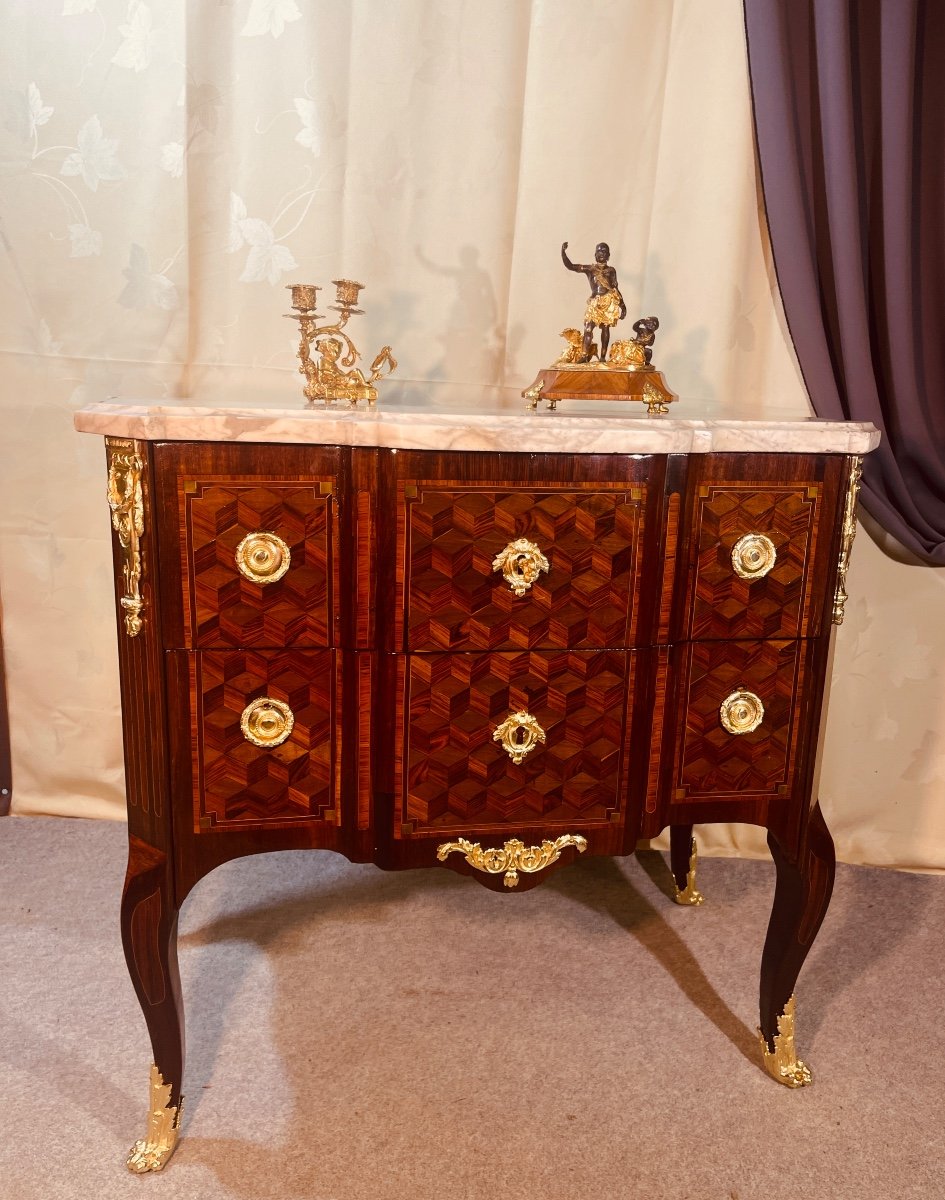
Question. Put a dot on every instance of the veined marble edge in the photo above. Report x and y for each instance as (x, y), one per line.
(407, 429)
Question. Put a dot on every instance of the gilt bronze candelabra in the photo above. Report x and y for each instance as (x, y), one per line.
(327, 354)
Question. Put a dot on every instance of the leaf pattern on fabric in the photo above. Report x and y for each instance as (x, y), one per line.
(37, 112)
(204, 102)
(928, 760)
(308, 134)
(267, 258)
(85, 241)
(172, 159)
(145, 288)
(136, 50)
(45, 342)
(237, 215)
(270, 16)
(95, 158)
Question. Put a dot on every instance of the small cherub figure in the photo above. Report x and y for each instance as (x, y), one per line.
(636, 352)
(645, 329)
(330, 380)
(606, 306)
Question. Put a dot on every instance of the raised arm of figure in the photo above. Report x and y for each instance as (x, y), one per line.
(567, 262)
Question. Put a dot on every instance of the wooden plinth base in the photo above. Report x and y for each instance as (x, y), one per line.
(601, 383)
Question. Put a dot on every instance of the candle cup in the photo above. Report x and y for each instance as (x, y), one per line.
(304, 296)
(347, 292)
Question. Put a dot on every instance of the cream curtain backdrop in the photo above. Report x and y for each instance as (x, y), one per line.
(168, 168)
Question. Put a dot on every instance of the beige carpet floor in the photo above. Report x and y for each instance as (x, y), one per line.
(356, 1035)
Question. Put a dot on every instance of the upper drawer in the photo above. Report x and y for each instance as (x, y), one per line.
(249, 546)
(762, 558)
(520, 564)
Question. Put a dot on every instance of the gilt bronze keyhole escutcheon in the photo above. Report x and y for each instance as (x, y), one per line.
(521, 562)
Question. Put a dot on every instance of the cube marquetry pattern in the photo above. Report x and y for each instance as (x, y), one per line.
(712, 763)
(457, 776)
(241, 785)
(455, 599)
(221, 606)
(727, 606)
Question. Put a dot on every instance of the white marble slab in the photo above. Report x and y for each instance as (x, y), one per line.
(440, 417)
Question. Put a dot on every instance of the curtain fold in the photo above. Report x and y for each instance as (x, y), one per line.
(849, 107)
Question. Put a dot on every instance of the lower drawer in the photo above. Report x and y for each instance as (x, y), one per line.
(743, 721)
(264, 737)
(502, 741)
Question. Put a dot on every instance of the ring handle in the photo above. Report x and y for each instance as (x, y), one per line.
(263, 557)
(266, 722)
(753, 556)
(741, 712)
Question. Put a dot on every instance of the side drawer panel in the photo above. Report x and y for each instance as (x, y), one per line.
(238, 785)
(762, 534)
(276, 508)
(741, 683)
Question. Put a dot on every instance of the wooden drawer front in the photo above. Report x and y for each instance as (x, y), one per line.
(239, 785)
(451, 533)
(796, 518)
(712, 763)
(455, 776)
(219, 606)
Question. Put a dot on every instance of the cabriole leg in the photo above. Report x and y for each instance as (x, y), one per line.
(801, 896)
(149, 936)
(682, 862)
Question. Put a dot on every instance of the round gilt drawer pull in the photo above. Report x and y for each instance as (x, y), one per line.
(741, 712)
(753, 556)
(263, 557)
(266, 722)
(519, 734)
(520, 562)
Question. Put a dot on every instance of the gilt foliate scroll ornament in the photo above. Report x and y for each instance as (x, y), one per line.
(263, 557)
(782, 1062)
(156, 1147)
(753, 556)
(690, 894)
(327, 354)
(513, 857)
(126, 501)
(846, 544)
(592, 369)
(267, 722)
(741, 712)
(521, 562)
(519, 734)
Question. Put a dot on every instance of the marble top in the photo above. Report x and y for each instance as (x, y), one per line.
(455, 417)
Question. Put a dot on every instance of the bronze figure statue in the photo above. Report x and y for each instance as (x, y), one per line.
(606, 306)
(624, 368)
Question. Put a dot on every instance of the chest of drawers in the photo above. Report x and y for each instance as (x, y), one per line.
(336, 633)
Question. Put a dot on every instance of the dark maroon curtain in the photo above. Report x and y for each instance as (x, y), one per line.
(849, 105)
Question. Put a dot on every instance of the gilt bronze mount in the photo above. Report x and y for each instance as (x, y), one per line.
(622, 371)
(513, 857)
(327, 354)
